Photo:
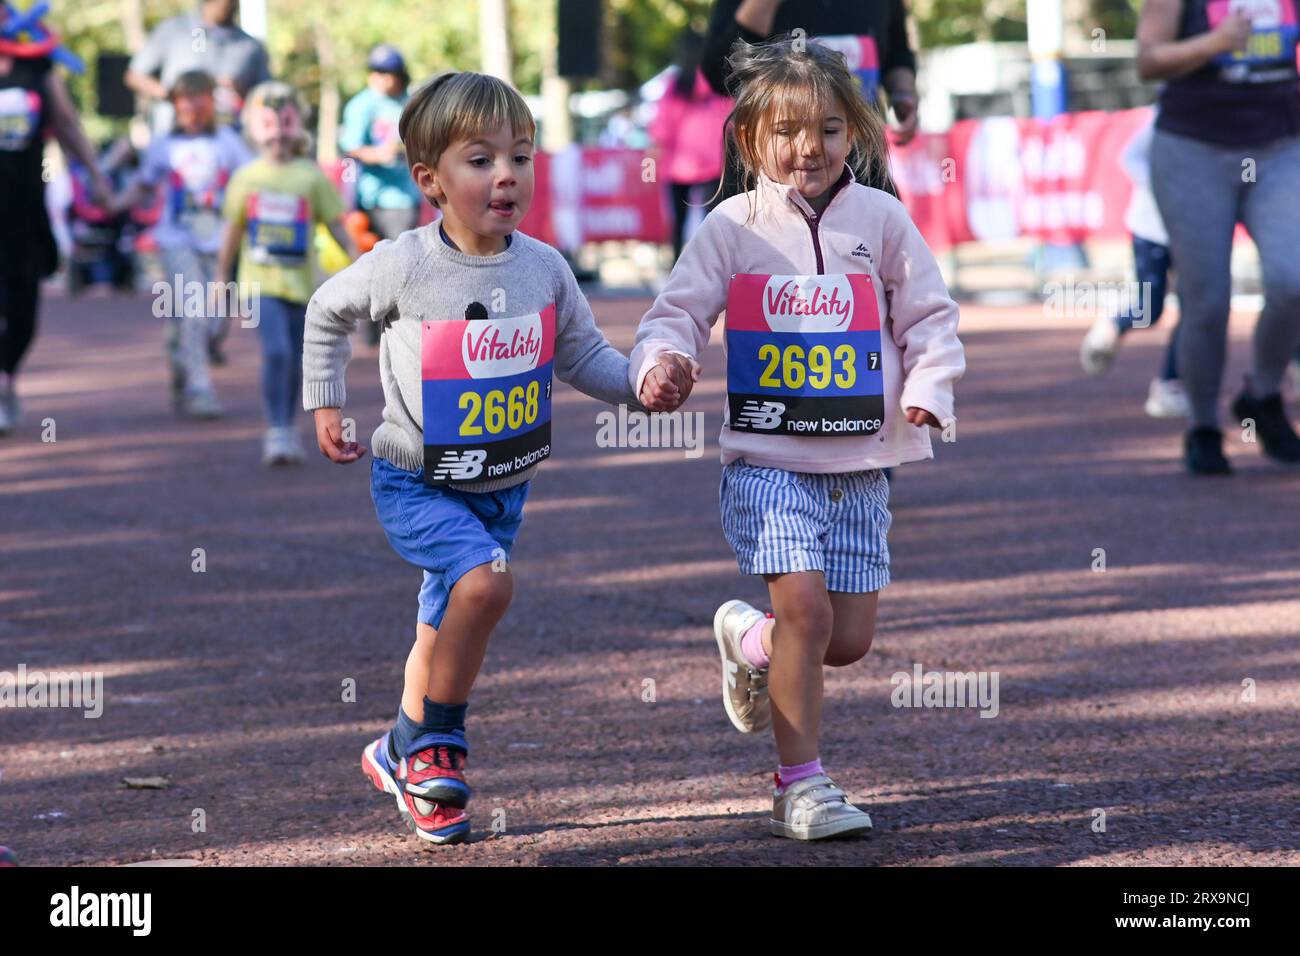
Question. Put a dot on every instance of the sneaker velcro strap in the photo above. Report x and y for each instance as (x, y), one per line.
(818, 789)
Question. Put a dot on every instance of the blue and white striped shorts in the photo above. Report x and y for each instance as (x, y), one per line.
(779, 521)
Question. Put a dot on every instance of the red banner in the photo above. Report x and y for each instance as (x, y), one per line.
(982, 180)
(1003, 178)
(585, 194)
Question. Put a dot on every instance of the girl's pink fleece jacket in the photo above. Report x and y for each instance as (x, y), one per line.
(862, 231)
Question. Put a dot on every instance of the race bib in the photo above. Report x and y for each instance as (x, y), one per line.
(1270, 54)
(195, 188)
(277, 228)
(803, 356)
(20, 113)
(862, 57)
(486, 385)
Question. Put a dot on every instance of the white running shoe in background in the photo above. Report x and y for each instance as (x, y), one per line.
(1167, 399)
(1099, 346)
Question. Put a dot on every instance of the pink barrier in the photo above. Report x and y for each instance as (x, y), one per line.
(982, 180)
(1005, 177)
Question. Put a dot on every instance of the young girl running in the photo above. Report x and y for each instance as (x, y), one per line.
(272, 206)
(841, 347)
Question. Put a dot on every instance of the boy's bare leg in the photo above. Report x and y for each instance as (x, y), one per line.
(799, 643)
(478, 602)
(418, 664)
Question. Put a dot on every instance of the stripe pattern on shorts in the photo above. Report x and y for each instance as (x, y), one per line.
(779, 521)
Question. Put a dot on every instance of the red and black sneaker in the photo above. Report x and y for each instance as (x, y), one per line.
(429, 820)
(435, 770)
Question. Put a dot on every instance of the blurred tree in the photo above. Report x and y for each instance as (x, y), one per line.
(949, 22)
(639, 38)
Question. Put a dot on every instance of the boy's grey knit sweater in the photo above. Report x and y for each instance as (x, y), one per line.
(419, 277)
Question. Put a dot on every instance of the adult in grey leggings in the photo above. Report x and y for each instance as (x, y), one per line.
(1227, 149)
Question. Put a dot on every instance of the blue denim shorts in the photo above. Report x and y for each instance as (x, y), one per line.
(442, 531)
(781, 521)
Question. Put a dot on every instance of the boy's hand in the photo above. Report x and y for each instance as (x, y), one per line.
(669, 383)
(919, 416)
(329, 436)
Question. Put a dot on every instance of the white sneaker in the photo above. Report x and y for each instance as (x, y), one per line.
(282, 446)
(201, 405)
(744, 689)
(814, 808)
(1167, 399)
(1099, 346)
(294, 453)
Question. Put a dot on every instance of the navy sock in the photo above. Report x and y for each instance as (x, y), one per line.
(438, 719)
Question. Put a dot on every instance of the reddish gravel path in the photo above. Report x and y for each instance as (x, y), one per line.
(1119, 691)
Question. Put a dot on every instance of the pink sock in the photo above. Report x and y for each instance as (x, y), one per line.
(788, 775)
(751, 645)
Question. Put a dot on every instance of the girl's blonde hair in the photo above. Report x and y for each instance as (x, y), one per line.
(455, 106)
(795, 78)
(275, 95)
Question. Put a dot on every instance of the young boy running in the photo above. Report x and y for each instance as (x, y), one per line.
(475, 317)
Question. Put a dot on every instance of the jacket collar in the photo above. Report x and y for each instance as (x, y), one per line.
(790, 194)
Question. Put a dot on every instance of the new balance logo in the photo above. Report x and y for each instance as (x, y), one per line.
(460, 465)
(765, 415)
(862, 252)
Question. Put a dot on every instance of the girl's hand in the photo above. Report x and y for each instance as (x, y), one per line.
(919, 416)
(329, 436)
(669, 383)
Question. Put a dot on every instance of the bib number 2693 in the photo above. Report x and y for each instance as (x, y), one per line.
(803, 355)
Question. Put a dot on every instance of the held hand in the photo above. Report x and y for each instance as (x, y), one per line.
(919, 416)
(669, 383)
(329, 436)
(658, 391)
(1234, 32)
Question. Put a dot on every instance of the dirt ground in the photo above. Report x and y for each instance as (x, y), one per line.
(1121, 695)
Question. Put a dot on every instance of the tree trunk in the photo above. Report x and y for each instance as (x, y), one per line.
(327, 119)
(494, 39)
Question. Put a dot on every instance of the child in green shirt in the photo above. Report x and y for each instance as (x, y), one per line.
(272, 207)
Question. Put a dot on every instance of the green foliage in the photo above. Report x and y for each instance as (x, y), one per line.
(640, 36)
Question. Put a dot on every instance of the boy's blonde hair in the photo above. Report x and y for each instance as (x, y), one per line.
(798, 78)
(275, 95)
(455, 106)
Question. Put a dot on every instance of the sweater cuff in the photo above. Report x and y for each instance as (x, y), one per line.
(323, 395)
(928, 399)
